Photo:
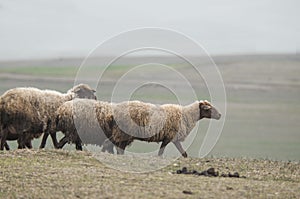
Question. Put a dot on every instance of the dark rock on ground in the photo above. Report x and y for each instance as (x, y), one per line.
(211, 172)
(187, 192)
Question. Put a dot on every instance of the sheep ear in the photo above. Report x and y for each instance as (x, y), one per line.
(77, 89)
(200, 103)
(206, 107)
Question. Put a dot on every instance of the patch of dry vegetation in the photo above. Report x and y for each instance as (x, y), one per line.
(72, 174)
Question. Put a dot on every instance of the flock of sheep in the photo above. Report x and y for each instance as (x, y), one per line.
(28, 113)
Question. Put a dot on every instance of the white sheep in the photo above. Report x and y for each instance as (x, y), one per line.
(124, 122)
(135, 120)
(29, 112)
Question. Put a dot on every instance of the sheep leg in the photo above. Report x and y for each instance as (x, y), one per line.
(121, 148)
(54, 139)
(44, 140)
(120, 151)
(78, 143)
(164, 143)
(21, 137)
(9, 129)
(108, 146)
(27, 140)
(180, 149)
(28, 144)
(24, 141)
(3, 139)
(20, 144)
(62, 142)
(6, 146)
(43, 143)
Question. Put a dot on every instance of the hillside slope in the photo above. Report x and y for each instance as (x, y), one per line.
(71, 174)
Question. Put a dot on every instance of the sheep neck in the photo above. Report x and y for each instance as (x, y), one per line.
(192, 112)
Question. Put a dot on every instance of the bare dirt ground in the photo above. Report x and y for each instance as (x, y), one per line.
(70, 174)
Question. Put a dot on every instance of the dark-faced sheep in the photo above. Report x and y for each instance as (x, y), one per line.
(29, 112)
(167, 123)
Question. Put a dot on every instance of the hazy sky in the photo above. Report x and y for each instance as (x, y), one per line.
(67, 28)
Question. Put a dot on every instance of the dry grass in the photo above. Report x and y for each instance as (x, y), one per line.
(71, 174)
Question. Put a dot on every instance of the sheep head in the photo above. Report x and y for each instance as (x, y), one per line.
(83, 91)
(208, 111)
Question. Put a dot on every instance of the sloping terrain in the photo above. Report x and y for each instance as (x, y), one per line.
(72, 174)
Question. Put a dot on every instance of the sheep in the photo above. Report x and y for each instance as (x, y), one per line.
(167, 123)
(26, 113)
(145, 121)
(91, 119)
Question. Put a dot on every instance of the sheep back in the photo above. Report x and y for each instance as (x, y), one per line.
(146, 122)
(91, 120)
(30, 109)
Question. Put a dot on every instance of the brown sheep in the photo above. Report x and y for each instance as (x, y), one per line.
(32, 111)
